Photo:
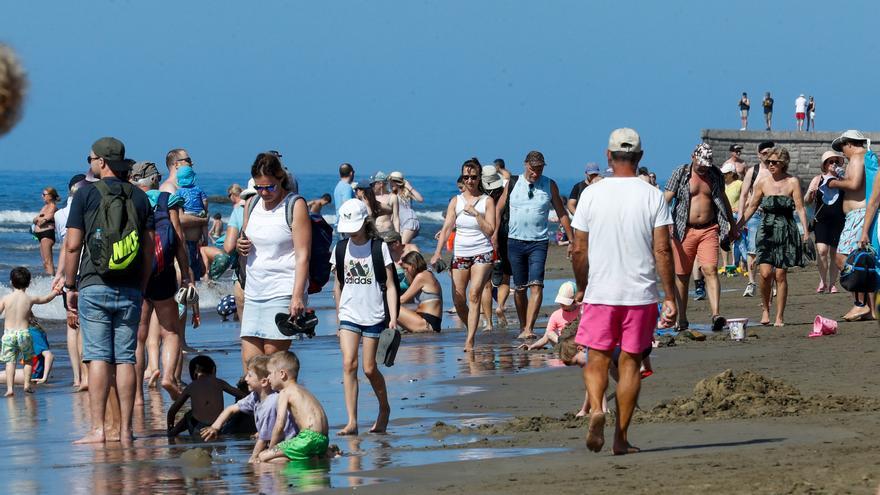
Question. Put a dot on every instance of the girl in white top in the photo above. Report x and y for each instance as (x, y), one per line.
(473, 215)
(277, 259)
(361, 310)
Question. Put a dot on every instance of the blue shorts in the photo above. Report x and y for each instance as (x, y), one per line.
(108, 318)
(371, 331)
(527, 261)
(753, 225)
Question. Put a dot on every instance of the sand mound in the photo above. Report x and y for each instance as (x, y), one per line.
(729, 395)
(519, 424)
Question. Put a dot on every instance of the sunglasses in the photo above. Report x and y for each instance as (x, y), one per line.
(775, 162)
(470, 177)
(269, 188)
(91, 158)
(833, 162)
(187, 160)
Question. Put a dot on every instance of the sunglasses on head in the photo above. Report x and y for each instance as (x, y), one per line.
(269, 188)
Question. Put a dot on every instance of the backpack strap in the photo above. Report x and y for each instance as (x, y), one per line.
(341, 246)
(755, 170)
(379, 263)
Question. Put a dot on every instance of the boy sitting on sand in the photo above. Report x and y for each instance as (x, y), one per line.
(568, 311)
(206, 392)
(261, 403)
(17, 342)
(311, 441)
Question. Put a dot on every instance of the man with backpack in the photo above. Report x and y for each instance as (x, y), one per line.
(854, 145)
(752, 175)
(110, 226)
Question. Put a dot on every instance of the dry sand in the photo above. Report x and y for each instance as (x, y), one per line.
(778, 413)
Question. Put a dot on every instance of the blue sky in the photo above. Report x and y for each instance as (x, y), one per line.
(421, 86)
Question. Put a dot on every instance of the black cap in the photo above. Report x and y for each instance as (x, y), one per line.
(736, 147)
(113, 152)
(76, 179)
(766, 144)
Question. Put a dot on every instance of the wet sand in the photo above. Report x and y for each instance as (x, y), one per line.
(813, 431)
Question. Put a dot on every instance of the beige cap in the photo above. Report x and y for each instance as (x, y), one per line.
(396, 176)
(565, 295)
(624, 139)
(850, 135)
(728, 168)
(830, 154)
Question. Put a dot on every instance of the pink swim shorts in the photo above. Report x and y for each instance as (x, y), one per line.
(605, 327)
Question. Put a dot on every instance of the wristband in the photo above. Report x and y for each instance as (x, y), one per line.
(70, 286)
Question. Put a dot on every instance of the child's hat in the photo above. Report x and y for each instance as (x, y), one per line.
(186, 176)
(565, 296)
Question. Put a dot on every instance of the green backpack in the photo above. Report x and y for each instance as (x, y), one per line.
(115, 243)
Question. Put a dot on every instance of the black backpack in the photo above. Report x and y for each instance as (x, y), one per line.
(860, 273)
(114, 243)
(378, 269)
(166, 238)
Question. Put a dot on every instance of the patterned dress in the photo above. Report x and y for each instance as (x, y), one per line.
(778, 241)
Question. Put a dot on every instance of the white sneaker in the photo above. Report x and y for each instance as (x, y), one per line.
(750, 290)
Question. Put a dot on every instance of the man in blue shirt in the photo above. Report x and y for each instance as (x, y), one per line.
(343, 191)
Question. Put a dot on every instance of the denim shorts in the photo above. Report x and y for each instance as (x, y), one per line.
(108, 318)
(258, 318)
(753, 225)
(371, 331)
(527, 261)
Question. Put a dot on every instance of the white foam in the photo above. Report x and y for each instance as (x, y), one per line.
(431, 216)
(17, 216)
(39, 286)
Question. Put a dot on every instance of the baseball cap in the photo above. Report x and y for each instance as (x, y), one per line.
(592, 168)
(850, 135)
(491, 178)
(351, 216)
(728, 168)
(142, 170)
(186, 176)
(566, 293)
(830, 154)
(736, 147)
(764, 145)
(396, 177)
(703, 154)
(113, 152)
(250, 190)
(624, 139)
(76, 179)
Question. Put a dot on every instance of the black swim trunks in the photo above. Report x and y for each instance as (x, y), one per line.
(45, 234)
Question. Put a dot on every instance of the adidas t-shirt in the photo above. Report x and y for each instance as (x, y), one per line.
(361, 298)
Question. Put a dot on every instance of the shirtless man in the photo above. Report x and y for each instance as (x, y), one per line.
(702, 215)
(390, 218)
(759, 171)
(193, 226)
(853, 144)
(735, 159)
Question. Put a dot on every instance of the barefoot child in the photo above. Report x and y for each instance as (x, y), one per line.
(261, 403)
(311, 441)
(17, 342)
(568, 311)
(206, 394)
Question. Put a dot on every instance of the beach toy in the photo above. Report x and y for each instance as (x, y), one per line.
(823, 326)
(737, 328)
(226, 306)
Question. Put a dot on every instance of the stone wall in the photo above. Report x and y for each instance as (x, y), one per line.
(806, 148)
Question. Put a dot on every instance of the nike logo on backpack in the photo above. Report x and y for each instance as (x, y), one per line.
(124, 251)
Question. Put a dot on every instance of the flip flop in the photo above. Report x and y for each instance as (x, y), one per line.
(718, 323)
(302, 325)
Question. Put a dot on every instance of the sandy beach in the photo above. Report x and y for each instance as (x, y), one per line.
(794, 415)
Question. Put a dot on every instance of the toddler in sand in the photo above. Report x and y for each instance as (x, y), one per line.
(311, 441)
(17, 342)
(261, 403)
(568, 311)
(206, 398)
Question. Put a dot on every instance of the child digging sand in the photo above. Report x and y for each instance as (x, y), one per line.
(311, 441)
(17, 342)
(206, 394)
(261, 403)
(568, 311)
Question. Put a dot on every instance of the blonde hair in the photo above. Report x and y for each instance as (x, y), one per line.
(234, 189)
(782, 153)
(287, 361)
(259, 364)
(567, 349)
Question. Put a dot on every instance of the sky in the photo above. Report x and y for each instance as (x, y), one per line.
(420, 86)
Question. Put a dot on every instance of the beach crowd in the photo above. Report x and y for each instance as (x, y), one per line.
(134, 247)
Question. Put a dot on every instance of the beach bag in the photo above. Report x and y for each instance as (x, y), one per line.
(115, 243)
(322, 240)
(378, 269)
(859, 273)
(871, 166)
(165, 238)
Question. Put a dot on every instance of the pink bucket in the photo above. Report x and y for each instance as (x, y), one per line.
(823, 326)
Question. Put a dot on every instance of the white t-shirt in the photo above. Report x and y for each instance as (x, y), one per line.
(271, 264)
(620, 215)
(361, 298)
(800, 105)
(61, 220)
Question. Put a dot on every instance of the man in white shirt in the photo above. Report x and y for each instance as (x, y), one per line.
(621, 243)
(800, 111)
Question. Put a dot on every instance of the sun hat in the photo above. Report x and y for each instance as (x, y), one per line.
(378, 177)
(491, 178)
(565, 295)
(850, 135)
(186, 176)
(592, 169)
(142, 170)
(703, 154)
(396, 177)
(728, 168)
(830, 154)
(250, 190)
(391, 236)
(624, 139)
(351, 216)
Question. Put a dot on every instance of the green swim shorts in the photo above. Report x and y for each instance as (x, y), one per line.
(16, 343)
(305, 445)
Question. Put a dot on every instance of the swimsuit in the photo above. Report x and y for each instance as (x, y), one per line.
(305, 445)
(16, 343)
